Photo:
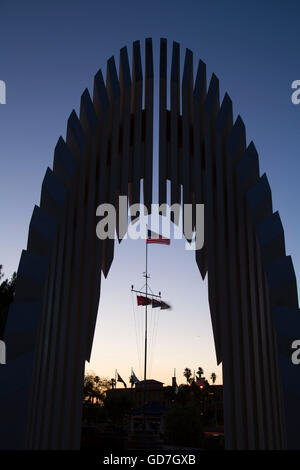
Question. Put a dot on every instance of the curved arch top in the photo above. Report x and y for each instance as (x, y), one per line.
(252, 290)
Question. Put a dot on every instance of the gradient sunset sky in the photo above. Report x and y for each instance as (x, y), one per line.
(50, 52)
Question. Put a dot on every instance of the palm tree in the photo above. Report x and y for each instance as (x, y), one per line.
(97, 393)
(187, 374)
(7, 292)
(88, 388)
(199, 372)
(213, 379)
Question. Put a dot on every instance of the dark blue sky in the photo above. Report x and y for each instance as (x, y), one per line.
(50, 51)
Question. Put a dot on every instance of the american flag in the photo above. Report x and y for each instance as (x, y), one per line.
(156, 238)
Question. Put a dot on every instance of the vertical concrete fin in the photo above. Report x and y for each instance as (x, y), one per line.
(31, 277)
(88, 117)
(125, 100)
(75, 137)
(248, 169)
(64, 164)
(259, 198)
(21, 328)
(175, 167)
(147, 184)
(187, 137)
(163, 133)
(100, 98)
(113, 91)
(199, 150)
(41, 233)
(53, 195)
(136, 109)
(282, 282)
(208, 251)
(223, 127)
(270, 236)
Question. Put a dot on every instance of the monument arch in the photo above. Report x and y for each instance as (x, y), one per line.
(252, 289)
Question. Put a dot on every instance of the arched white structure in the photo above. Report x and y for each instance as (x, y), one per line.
(252, 286)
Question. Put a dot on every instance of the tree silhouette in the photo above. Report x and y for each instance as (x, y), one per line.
(116, 406)
(7, 291)
(184, 424)
(94, 388)
(213, 377)
(200, 372)
(187, 374)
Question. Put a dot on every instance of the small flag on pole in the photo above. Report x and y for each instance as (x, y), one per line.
(141, 300)
(164, 306)
(134, 378)
(119, 379)
(153, 237)
(155, 303)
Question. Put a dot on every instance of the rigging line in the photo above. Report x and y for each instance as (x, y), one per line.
(136, 333)
(150, 289)
(150, 336)
(151, 339)
(142, 338)
(154, 339)
(155, 316)
(155, 333)
(142, 287)
(141, 333)
(153, 348)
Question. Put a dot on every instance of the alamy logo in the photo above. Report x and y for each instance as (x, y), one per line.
(188, 222)
(2, 352)
(2, 92)
(296, 354)
(295, 97)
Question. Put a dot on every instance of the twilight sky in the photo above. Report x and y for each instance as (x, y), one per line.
(50, 51)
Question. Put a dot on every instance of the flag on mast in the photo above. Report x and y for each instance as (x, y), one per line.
(164, 306)
(153, 237)
(119, 379)
(155, 303)
(160, 303)
(134, 378)
(141, 300)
